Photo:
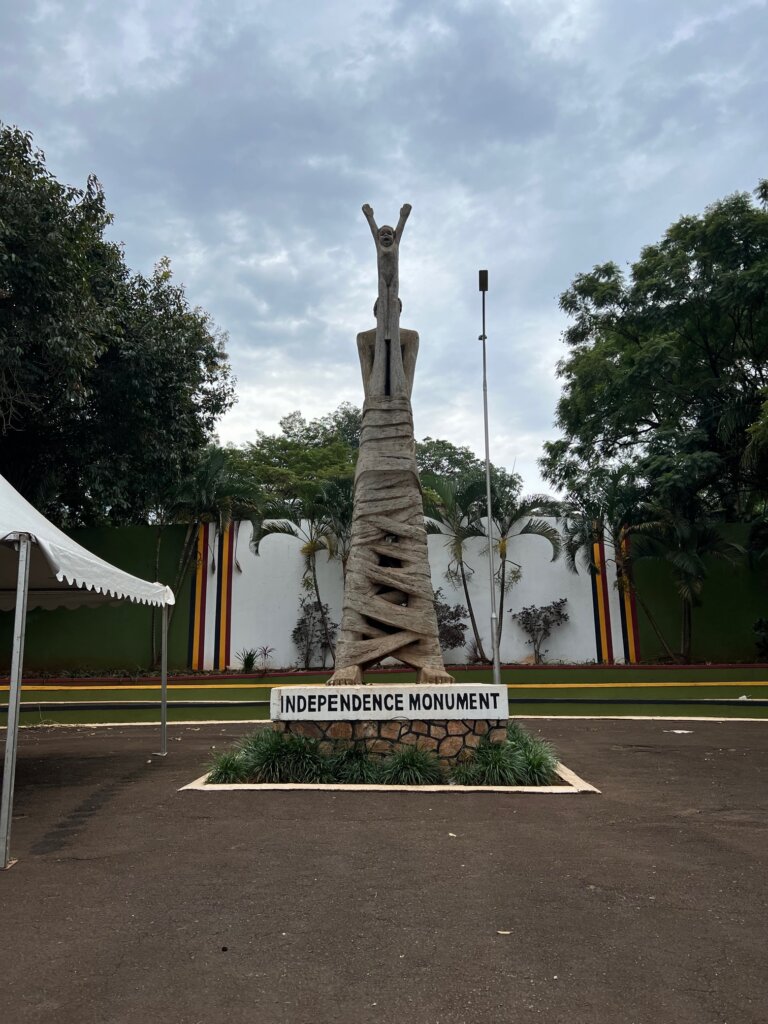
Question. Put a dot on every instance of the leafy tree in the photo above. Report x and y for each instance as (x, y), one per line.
(345, 424)
(686, 544)
(607, 505)
(110, 384)
(314, 633)
(436, 457)
(538, 623)
(760, 629)
(450, 627)
(51, 321)
(676, 355)
(303, 454)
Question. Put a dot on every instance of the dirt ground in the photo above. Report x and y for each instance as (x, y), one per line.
(132, 901)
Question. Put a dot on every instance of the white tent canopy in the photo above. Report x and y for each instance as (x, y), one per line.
(41, 567)
(62, 573)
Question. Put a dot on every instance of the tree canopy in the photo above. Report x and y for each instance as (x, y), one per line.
(304, 453)
(110, 383)
(667, 368)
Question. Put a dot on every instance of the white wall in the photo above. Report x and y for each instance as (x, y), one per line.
(265, 598)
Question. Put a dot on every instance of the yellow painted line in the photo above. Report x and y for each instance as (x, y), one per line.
(171, 686)
(268, 686)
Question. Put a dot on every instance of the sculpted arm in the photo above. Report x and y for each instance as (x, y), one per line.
(368, 211)
(405, 210)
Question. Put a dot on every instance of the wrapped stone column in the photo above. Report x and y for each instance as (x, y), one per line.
(389, 608)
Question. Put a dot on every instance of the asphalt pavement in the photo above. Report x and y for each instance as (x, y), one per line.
(132, 901)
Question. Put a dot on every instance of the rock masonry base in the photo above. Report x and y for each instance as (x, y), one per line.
(452, 740)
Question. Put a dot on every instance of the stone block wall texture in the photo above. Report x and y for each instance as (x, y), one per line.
(452, 740)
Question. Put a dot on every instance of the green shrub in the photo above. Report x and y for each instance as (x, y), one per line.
(540, 757)
(540, 763)
(516, 734)
(271, 756)
(524, 760)
(355, 766)
(466, 773)
(499, 764)
(268, 756)
(304, 761)
(227, 768)
(411, 766)
(247, 659)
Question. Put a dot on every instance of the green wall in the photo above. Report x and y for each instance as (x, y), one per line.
(113, 636)
(734, 596)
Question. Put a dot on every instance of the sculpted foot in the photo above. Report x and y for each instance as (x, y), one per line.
(429, 676)
(352, 675)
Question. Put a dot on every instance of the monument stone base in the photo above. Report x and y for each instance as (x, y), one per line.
(453, 740)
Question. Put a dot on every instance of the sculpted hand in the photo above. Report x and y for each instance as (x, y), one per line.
(367, 210)
(405, 209)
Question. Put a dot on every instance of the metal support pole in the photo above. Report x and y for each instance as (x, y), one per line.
(164, 686)
(14, 699)
(491, 573)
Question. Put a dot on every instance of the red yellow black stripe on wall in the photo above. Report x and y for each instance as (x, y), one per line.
(600, 605)
(212, 599)
(629, 631)
(602, 609)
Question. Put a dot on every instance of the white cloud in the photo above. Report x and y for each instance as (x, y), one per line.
(240, 138)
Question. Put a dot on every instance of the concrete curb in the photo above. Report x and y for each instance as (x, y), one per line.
(573, 784)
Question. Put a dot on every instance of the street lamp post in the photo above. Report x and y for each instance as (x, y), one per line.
(483, 282)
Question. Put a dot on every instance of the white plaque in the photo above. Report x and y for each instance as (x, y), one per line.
(374, 703)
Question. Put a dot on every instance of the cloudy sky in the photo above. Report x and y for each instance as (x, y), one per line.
(532, 137)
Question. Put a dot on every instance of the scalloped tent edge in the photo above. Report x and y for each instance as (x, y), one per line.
(41, 567)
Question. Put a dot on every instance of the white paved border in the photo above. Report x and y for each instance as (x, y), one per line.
(573, 785)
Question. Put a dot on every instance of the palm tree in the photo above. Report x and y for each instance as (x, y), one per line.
(685, 544)
(215, 492)
(306, 518)
(337, 497)
(513, 516)
(608, 506)
(454, 510)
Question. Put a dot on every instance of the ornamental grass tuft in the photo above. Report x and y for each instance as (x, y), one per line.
(227, 768)
(271, 756)
(516, 734)
(411, 766)
(540, 764)
(541, 758)
(498, 764)
(466, 773)
(355, 766)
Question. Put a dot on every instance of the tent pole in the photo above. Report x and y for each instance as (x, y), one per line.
(164, 686)
(14, 699)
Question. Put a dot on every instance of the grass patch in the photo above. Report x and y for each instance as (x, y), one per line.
(355, 766)
(524, 760)
(274, 757)
(411, 766)
(494, 764)
(227, 768)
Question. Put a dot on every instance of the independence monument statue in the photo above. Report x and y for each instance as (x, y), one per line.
(389, 608)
